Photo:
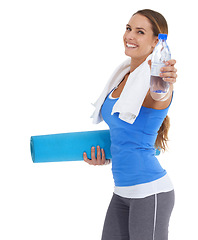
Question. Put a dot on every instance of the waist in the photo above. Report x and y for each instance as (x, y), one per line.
(137, 140)
(135, 167)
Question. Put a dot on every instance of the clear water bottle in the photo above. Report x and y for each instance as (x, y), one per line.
(160, 55)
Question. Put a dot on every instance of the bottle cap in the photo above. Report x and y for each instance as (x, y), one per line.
(162, 36)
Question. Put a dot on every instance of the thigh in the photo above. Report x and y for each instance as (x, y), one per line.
(165, 204)
(141, 219)
(116, 221)
(149, 217)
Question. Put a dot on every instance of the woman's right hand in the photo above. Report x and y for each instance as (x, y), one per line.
(100, 160)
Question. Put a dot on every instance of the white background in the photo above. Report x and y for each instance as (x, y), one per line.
(55, 58)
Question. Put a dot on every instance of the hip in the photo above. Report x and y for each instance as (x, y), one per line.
(162, 184)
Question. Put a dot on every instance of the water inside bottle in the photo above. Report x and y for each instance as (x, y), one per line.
(158, 85)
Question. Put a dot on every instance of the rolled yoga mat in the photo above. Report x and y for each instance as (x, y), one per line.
(68, 146)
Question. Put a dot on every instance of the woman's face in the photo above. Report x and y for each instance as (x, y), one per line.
(139, 40)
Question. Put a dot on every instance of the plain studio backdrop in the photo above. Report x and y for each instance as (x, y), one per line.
(55, 59)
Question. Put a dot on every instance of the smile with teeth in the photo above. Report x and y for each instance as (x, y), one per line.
(131, 45)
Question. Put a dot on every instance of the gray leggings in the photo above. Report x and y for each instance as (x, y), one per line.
(140, 218)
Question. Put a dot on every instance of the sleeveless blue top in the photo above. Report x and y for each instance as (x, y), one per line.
(132, 145)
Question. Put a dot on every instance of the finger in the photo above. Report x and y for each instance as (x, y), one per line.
(168, 75)
(171, 62)
(168, 69)
(86, 159)
(93, 156)
(149, 63)
(99, 162)
(170, 80)
(103, 156)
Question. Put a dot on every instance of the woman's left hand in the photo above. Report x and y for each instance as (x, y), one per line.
(168, 73)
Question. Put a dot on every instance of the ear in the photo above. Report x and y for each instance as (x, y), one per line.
(155, 41)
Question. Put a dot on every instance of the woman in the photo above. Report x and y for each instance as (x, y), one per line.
(143, 198)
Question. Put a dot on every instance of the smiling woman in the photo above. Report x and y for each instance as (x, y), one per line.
(143, 196)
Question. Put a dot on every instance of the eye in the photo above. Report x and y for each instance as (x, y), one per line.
(140, 32)
(128, 28)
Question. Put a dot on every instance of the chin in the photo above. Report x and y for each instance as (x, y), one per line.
(132, 55)
(137, 55)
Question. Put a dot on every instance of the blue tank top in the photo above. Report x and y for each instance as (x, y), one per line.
(132, 145)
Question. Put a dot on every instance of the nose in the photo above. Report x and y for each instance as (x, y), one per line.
(129, 36)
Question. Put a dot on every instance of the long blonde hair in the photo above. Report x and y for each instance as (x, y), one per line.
(159, 25)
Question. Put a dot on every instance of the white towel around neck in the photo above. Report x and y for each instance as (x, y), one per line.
(133, 94)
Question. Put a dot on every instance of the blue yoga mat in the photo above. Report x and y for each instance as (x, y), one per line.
(68, 146)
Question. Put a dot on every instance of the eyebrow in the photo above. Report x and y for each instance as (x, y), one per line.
(138, 28)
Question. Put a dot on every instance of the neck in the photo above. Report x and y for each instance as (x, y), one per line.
(136, 63)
